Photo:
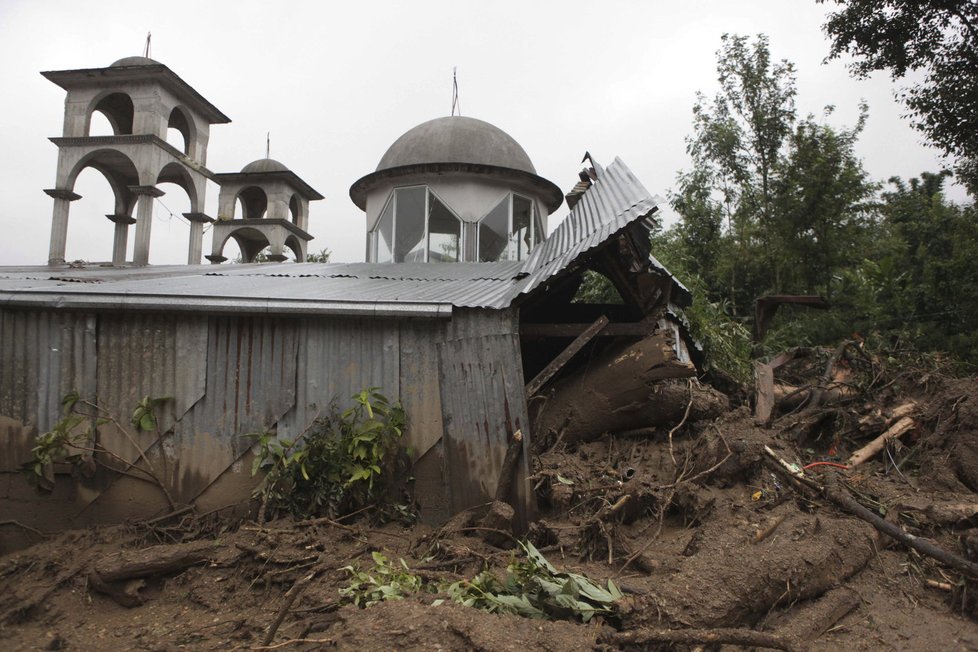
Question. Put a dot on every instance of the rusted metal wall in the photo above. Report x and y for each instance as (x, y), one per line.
(460, 381)
(483, 404)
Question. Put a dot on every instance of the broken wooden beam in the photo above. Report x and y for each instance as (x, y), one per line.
(764, 398)
(564, 357)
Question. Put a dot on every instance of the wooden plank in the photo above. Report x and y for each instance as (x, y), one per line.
(630, 329)
(557, 364)
(764, 401)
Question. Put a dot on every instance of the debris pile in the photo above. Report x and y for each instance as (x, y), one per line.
(838, 512)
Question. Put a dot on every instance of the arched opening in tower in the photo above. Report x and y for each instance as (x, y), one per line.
(118, 111)
(180, 130)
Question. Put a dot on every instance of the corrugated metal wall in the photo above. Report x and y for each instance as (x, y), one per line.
(43, 356)
(460, 379)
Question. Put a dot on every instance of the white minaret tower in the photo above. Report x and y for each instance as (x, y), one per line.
(141, 98)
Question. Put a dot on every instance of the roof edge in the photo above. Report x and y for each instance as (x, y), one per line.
(222, 305)
(552, 194)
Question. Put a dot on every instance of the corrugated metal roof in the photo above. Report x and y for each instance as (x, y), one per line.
(616, 200)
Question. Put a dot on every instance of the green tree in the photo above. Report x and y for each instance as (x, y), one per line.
(736, 148)
(926, 277)
(938, 38)
(772, 204)
(823, 206)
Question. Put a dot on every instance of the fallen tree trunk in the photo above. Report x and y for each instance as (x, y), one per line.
(747, 637)
(741, 581)
(790, 397)
(628, 386)
(155, 560)
(121, 575)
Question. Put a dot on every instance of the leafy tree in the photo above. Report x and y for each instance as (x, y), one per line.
(321, 257)
(736, 148)
(823, 207)
(930, 295)
(938, 38)
(772, 204)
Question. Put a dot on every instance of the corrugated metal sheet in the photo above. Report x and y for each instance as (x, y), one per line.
(338, 358)
(615, 200)
(409, 289)
(43, 357)
(159, 356)
(483, 404)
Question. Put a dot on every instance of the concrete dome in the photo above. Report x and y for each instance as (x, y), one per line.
(134, 61)
(457, 145)
(264, 165)
(457, 140)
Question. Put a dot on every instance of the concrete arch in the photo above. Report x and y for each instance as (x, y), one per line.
(251, 242)
(118, 109)
(117, 168)
(298, 250)
(254, 202)
(177, 174)
(183, 121)
(295, 209)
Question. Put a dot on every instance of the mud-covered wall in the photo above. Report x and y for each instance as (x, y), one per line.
(460, 382)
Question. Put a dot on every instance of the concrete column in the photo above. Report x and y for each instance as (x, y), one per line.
(144, 220)
(121, 240)
(276, 245)
(59, 223)
(196, 236)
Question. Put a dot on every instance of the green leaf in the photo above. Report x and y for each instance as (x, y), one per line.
(147, 421)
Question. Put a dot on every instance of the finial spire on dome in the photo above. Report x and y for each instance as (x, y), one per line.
(268, 144)
(147, 49)
(455, 103)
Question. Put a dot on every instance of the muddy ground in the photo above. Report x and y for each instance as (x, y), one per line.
(701, 530)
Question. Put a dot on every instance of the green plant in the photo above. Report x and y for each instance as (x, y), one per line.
(385, 581)
(71, 441)
(340, 464)
(534, 588)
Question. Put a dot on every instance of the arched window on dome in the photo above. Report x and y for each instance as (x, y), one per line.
(510, 230)
(416, 226)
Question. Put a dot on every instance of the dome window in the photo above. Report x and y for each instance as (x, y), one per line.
(509, 230)
(416, 226)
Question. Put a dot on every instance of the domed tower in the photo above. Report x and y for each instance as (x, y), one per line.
(454, 189)
(275, 212)
(141, 99)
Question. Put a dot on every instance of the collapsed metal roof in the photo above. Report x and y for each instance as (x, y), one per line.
(615, 201)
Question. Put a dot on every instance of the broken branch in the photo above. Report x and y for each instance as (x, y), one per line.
(923, 546)
(867, 452)
(290, 598)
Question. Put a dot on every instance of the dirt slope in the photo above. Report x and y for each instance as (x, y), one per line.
(700, 530)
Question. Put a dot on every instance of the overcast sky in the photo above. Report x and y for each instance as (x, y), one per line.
(336, 83)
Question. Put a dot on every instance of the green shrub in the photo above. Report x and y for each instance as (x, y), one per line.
(340, 464)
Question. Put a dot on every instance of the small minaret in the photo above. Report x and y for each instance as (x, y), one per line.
(141, 98)
(275, 212)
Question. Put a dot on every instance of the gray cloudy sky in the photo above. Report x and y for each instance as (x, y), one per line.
(336, 83)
